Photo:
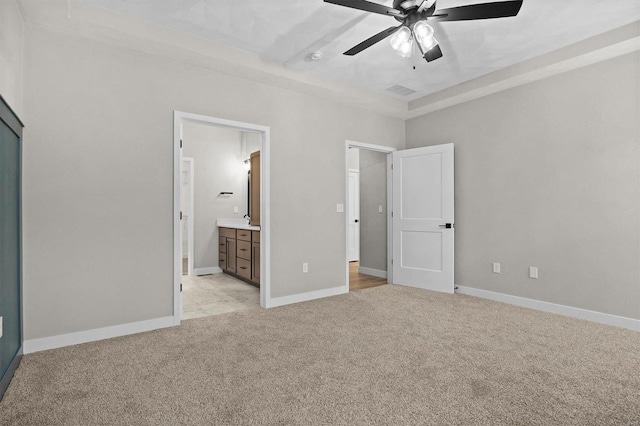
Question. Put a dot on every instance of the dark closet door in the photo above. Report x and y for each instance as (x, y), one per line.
(10, 245)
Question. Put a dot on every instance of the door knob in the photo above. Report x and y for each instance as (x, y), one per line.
(356, 220)
(446, 225)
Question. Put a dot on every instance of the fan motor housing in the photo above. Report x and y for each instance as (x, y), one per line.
(410, 8)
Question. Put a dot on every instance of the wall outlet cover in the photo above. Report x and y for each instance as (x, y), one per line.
(340, 208)
(496, 268)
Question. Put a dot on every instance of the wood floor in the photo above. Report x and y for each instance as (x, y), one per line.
(358, 281)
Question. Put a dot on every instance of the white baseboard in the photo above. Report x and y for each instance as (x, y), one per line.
(44, 343)
(303, 297)
(207, 271)
(373, 272)
(570, 311)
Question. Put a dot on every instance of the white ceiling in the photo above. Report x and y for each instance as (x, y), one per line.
(288, 31)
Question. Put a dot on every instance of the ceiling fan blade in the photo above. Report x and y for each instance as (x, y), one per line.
(500, 9)
(372, 40)
(368, 6)
(426, 4)
(433, 53)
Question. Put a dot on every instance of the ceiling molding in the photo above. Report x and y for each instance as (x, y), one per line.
(609, 45)
(78, 18)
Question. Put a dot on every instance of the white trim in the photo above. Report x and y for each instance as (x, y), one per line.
(303, 297)
(376, 148)
(177, 226)
(373, 272)
(570, 311)
(44, 343)
(265, 201)
(190, 231)
(207, 271)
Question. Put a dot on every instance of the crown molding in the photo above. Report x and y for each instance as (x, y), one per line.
(75, 17)
(605, 46)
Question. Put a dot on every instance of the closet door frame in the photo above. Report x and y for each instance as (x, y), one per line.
(9, 118)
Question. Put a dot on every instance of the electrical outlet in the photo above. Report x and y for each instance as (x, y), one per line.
(305, 268)
(533, 272)
(340, 208)
(496, 268)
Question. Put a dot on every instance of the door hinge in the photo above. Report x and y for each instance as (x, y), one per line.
(180, 287)
(391, 213)
(392, 261)
(391, 166)
(180, 143)
(180, 215)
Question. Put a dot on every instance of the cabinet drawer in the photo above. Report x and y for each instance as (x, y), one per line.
(244, 249)
(255, 236)
(222, 261)
(227, 232)
(243, 268)
(222, 246)
(243, 234)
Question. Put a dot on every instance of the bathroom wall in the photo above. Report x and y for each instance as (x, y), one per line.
(218, 163)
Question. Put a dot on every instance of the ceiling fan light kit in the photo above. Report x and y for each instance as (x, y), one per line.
(414, 16)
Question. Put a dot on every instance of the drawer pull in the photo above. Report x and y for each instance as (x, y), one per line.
(243, 267)
(243, 249)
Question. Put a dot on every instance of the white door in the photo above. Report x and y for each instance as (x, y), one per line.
(353, 208)
(423, 218)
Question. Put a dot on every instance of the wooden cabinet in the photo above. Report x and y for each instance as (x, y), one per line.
(255, 256)
(227, 249)
(254, 187)
(238, 255)
(255, 263)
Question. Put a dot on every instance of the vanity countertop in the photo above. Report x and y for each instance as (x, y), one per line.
(236, 223)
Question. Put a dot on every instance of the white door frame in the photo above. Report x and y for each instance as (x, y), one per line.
(190, 249)
(385, 150)
(265, 197)
(350, 258)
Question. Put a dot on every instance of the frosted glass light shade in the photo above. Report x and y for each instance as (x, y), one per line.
(401, 37)
(424, 35)
(402, 42)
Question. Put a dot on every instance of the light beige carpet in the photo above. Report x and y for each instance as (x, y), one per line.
(386, 355)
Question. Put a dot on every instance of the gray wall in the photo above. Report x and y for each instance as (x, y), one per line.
(98, 178)
(218, 157)
(547, 175)
(373, 193)
(11, 28)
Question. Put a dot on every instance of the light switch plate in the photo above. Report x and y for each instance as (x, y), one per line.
(340, 208)
(379, 208)
(235, 209)
(305, 268)
(496, 268)
(533, 272)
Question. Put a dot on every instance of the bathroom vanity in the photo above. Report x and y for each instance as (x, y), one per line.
(239, 250)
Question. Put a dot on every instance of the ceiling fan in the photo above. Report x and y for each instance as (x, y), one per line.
(414, 15)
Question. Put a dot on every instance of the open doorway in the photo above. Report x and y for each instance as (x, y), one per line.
(368, 215)
(213, 186)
